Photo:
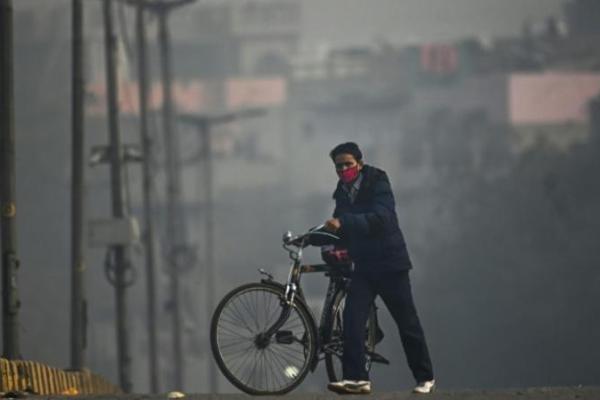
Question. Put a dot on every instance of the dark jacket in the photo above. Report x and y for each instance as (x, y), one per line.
(369, 226)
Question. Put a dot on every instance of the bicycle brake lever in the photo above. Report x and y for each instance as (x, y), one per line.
(268, 275)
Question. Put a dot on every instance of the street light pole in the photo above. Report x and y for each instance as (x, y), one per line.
(118, 209)
(594, 117)
(175, 223)
(210, 283)
(147, 188)
(8, 224)
(174, 219)
(204, 124)
(78, 303)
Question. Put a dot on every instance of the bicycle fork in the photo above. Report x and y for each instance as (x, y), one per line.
(263, 339)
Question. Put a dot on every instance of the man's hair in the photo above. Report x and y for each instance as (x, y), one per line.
(346, 148)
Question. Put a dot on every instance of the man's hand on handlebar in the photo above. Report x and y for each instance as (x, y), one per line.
(332, 225)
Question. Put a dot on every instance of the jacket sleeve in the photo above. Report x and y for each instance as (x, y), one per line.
(336, 211)
(377, 219)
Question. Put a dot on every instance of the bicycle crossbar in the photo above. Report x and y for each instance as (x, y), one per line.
(307, 268)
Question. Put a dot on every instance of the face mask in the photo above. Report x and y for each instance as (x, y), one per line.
(348, 175)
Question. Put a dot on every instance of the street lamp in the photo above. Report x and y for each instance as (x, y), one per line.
(204, 123)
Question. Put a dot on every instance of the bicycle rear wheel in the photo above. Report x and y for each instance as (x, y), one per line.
(335, 340)
(252, 364)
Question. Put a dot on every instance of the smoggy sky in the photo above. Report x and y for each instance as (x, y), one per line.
(341, 22)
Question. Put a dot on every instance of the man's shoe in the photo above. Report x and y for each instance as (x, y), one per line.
(350, 387)
(425, 387)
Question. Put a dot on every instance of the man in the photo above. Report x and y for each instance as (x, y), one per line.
(365, 217)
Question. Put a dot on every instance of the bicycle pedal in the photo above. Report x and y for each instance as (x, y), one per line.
(284, 337)
(378, 358)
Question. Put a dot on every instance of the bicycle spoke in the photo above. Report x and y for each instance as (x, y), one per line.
(233, 333)
(245, 350)
(229, 321)
(257, 311)
(230, 359)
(237, 365)
(252, 374)
(235, 318)
(271, 316)
(237, 314)
(243, 362)
(262, 367)
(280, 373)
(285, 352)
(261, 310)
(226, 341)
(276, 359)
(245, 311)
(252, 311)
(229, 345)
(264, 376)
(271, 381)
(274, 314)
(244, 304)
(282, 377)
(240, 317)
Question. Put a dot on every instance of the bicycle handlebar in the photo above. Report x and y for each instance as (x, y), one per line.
(301, 240)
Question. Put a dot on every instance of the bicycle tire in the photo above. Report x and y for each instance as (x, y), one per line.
(334, 337)
(241, 314)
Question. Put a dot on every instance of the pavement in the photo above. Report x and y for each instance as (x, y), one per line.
(542, 393)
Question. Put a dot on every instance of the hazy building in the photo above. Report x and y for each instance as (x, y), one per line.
(582, 17)
(229, 38)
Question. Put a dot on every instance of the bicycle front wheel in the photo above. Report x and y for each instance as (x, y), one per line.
(255, 364)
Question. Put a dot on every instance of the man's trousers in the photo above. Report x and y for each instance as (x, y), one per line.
(395, 291)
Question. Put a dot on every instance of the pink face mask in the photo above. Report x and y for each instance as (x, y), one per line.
(349, 174)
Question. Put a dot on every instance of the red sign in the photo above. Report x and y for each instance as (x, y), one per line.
(441, 59)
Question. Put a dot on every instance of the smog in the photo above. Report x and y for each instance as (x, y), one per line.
(483, 113)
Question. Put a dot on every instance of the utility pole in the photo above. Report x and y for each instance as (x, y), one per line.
(176, 231)
(174, 217)
(78, 303)
(147, 189)
(594, 112)
(122, 263)
(203, 124)
(210, 283)
(8, 225)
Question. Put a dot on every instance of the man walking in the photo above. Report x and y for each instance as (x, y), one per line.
(365, 217)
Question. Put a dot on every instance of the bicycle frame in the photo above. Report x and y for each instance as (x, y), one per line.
(338, 281)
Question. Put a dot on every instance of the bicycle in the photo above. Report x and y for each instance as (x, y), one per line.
(264, 337)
